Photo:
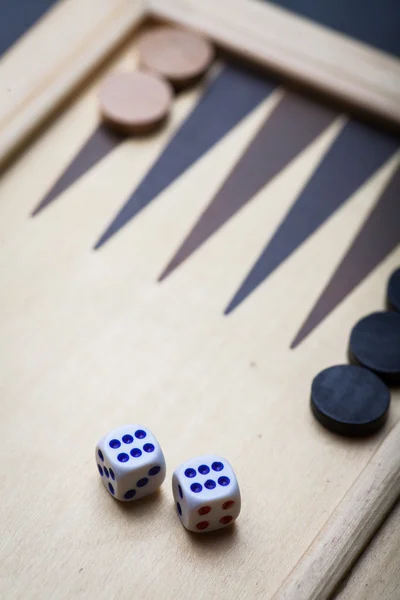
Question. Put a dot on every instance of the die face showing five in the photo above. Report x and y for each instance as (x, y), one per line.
(130, 462)
(206, 493)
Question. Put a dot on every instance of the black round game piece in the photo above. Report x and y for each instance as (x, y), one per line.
(393, 291)
(350, 400)
(375, 344)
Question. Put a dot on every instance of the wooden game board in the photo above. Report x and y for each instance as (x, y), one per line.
(195, 281)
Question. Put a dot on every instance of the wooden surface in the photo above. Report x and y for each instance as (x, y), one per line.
(350, 528)
(364, 79)
(89, 340)
(47, 65)
(377, 573)
(356, 75)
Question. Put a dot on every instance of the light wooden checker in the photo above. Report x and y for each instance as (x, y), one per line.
(91, 341)
(134, 102)
(180, 56)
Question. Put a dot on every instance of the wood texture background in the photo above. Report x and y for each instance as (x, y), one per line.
(376, 574)
(47, 65)
(354, 74)
(350, 527)
(89, 341)
(38, 80)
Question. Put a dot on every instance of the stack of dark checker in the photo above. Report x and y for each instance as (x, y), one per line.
(354, 399)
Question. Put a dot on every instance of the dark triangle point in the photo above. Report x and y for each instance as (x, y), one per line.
(100, 142)
(236, 300)
(230, 97)
(355, 155)
(163, 276)
(293, 124)
(377, 238)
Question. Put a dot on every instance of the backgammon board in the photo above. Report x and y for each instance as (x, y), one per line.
(194, 280)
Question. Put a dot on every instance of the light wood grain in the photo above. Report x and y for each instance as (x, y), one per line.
(359, 76)
(46, 66)
(53, 59)
(350, 528)
(376, 574)
(89, 341)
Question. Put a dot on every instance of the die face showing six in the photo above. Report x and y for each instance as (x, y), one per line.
(206, 493)
(130, 462)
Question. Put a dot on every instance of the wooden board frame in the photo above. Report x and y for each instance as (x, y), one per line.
(292, 47)
(295, 49)
(29, 101)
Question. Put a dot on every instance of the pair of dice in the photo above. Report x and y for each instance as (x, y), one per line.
(132, 465)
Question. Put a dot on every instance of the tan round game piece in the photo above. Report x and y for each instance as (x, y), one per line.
(180, 56)
(134, 102)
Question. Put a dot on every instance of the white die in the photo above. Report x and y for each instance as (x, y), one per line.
(206, 493)
(130, 462)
